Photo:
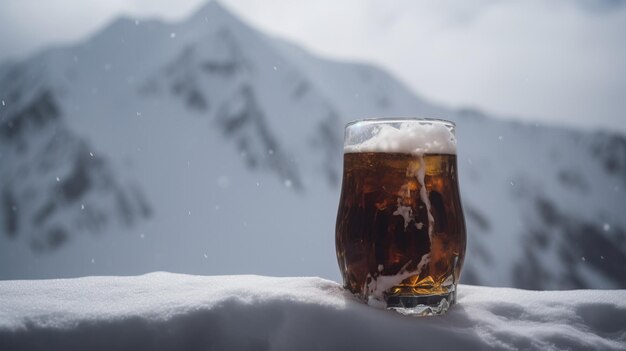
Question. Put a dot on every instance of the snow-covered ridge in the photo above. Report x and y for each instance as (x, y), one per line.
(164, 311)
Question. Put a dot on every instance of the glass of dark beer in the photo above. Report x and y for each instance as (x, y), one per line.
(400, 235)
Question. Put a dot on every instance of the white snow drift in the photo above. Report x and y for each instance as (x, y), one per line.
(171, 311)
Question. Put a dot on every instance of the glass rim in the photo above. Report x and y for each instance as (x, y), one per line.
(374, 120)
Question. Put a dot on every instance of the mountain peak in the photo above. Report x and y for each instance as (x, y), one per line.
(209, 10)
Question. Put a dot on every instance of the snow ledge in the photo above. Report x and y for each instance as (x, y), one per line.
(165, 311)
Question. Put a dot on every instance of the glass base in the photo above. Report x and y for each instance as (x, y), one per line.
(424, 305)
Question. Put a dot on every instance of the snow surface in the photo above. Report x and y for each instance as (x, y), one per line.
(172, 311)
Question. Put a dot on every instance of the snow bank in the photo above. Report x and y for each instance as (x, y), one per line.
(163, 311)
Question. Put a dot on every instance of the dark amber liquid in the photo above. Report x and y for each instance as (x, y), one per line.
(384, 227)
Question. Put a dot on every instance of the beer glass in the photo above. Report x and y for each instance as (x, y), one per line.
(400, 234)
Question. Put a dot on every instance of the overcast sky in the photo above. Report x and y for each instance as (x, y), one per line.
(556, 61)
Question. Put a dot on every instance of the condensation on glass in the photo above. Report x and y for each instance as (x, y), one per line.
(400, 234)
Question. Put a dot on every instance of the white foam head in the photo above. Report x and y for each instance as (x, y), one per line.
(412, 137)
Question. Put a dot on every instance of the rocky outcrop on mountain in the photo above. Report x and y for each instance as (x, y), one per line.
(53, 184)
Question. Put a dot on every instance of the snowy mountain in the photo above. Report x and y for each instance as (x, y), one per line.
(208, 147)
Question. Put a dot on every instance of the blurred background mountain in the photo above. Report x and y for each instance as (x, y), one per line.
(202, 144)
